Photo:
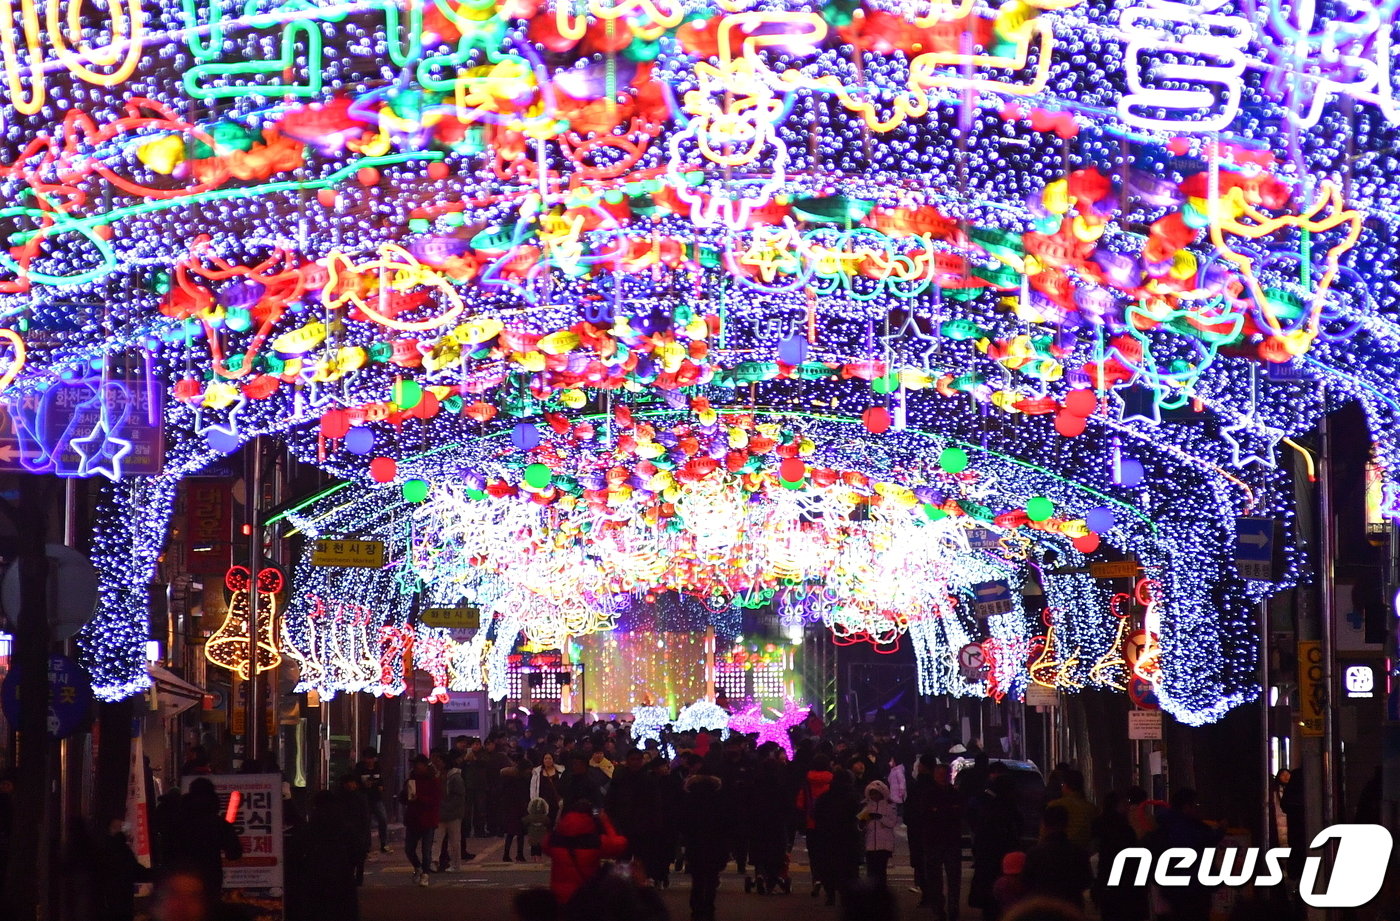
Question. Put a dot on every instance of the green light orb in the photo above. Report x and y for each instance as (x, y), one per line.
(538, 476)
(953, 460)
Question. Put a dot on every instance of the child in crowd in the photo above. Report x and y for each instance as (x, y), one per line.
(1010, 888)
(537, 826)
(877, 822)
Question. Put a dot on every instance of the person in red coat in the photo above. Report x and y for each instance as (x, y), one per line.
(577, 847)
(817, 782)
(421, 815)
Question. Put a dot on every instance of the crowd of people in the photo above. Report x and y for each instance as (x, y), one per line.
(598, 807)
(581, 797)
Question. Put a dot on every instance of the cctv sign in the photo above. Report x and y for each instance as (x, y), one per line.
(1359, 681)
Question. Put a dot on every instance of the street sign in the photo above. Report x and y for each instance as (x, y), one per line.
(1312, 692)
(354, 554)
(972, 657)
(85, 427)
(1143, 694)
(72, 593)
(1038, 695)
(1254, 548)
(1359, 681)
(982, 539)
(465, 617)
(70, 696)
(991, 598)
(1119, 569)
(1135, 644)
(1145, 725)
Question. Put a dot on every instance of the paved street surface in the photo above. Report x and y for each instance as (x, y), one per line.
(485, 887)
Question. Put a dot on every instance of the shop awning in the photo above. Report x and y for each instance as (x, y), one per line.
(174, 695)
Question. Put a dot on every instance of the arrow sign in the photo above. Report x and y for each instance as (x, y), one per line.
(10, 452)
(1254, 548)
(972, 657)
(991, 598)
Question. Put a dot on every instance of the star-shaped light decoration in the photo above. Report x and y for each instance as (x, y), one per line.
(923, 346)
(101, 451)
(224, 436)
(1138, 404)
(773, 250)
(752, 721)
(1251, 443)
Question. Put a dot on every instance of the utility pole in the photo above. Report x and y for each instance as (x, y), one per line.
(26, 894)
(255, 565)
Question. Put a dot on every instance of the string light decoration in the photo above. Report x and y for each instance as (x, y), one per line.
(422, 243)
(230, 646)
(648, 722)
(703, 715)
(752, 722)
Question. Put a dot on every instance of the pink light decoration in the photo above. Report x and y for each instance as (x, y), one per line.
(752, 721)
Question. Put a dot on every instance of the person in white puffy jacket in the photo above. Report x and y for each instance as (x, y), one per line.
(877, 821)
(899, 784)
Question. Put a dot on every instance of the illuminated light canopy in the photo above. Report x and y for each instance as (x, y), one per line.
(437, 244)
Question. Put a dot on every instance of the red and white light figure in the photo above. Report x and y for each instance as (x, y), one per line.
(432, 650)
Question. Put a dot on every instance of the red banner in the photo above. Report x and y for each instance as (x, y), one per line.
(208, 527)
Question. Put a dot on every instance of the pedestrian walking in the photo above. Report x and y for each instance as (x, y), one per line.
(1113, 834)
(452, 811)
(357, 817)
(1009, 888)
(201, 838)
(705, 831)
(577, 847)
(878, 821)
(1058, 867)
(996, 832)
(816, 782)
(942, 824)
(422, 799)
(834, 843)
(1181, 827)
(372, 785)
(897, 779)
(770, 808)
(1080, 811)
(634, 805)
(515, 803)
(321, 860)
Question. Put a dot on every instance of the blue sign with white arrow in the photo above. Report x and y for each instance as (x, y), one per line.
(991, 598)
(1254, 548)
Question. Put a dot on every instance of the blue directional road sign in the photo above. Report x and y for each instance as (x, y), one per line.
(991, 598)
(1254, 548)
